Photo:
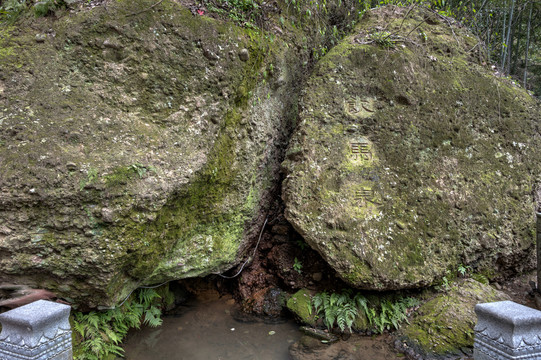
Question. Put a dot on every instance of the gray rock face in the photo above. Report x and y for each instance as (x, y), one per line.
(411, 158)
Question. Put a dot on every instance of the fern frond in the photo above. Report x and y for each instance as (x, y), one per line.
(317, 303)
(361, 303)
(152, 316)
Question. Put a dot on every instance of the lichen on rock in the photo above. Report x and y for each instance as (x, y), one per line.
(411, 157)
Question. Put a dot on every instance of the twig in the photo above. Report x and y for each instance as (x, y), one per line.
(142, 11)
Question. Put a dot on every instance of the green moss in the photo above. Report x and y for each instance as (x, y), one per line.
(300, 304)
(444, 324)
(7, 46)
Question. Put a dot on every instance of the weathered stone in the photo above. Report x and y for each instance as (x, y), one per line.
(444, 325)
(244, 55)
(37, 331)
(41, 38)
(318, 334)
(394, 196)
(169, 174)
(506, 330)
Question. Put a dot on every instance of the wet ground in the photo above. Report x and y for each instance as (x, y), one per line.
(208, 329)
(213, 329)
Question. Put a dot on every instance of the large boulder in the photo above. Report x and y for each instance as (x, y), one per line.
(411, 157)
(136, 146)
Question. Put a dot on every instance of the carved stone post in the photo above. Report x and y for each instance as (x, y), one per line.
(37, 331)
(507, 330)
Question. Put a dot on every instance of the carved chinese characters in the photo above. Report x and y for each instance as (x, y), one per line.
(362, 154)
(361, 108)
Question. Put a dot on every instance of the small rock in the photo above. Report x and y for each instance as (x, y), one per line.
(71, 166)
(317, 276)
(107, 215)
(5, 230)
(244, 55)
(210, 55)
(40, 38)
(143, 75)
(111, 44)
(318, 334)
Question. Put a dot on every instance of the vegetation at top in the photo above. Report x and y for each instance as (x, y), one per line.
(509, 30)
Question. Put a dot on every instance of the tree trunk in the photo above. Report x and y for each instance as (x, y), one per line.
(527, 47)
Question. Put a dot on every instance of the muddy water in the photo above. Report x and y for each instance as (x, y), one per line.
(209, 330)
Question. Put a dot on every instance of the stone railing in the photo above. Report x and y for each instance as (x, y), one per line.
(507, 330)
(37, 331)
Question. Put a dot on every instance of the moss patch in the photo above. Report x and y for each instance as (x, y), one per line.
(300, 304)
(444, 324)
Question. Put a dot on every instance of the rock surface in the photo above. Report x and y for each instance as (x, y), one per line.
(444, 325)
(412, 157)
(356, 348)
(134, 149)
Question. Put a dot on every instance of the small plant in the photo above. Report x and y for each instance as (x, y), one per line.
(445, 283)
(336, 308)
(392, 314)
(342, 310)
(480, 278)
(463, 270)
(46, 7)
(297, 266)
(243, 12)
(383, 39)
(91, 176)
(10, 10)
(98, 334)
(300, 243)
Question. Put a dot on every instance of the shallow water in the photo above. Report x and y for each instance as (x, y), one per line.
(207, 330)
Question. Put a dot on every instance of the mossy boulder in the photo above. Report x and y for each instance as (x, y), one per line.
(412, 157)
(444, 325)
(136, 146)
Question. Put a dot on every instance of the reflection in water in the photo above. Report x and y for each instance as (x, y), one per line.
(208, 331)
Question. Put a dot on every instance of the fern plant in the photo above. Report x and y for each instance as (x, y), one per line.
(342, 309)
(336, 308)
(98, 334)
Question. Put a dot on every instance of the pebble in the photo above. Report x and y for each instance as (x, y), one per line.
(40, 38)
(244, 55)
(71, 166)
(210, 55)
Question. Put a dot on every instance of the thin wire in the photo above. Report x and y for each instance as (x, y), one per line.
(255, 249)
